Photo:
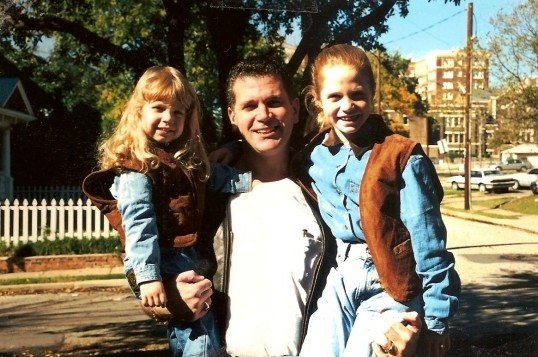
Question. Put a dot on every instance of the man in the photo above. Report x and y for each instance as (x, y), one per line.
(274, 268)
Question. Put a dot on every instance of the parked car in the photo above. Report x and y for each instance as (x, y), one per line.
(484, 180)
(534, 187)
(524, 179)
(512, 164)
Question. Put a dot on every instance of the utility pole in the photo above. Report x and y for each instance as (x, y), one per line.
(378, 84)
(467, 105)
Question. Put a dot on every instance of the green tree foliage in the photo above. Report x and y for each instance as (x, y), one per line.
(397, 90)
(79, 59)
(514, 57)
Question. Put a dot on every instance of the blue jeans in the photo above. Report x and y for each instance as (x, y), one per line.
(351, 303)
(194, 339)
(198, 338)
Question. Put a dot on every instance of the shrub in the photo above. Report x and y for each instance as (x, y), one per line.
(63, 247)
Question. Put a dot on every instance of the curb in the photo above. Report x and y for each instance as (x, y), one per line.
(476, 218)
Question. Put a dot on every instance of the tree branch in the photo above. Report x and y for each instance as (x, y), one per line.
(311, 38)
(136, 59)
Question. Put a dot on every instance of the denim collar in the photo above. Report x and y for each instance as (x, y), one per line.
(363, 140)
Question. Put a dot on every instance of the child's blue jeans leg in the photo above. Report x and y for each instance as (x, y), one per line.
(194, 339)
(352, 281)
(344, 323)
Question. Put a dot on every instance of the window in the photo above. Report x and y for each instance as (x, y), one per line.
(448, 62)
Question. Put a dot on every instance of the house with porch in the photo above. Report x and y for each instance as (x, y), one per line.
(15, 108)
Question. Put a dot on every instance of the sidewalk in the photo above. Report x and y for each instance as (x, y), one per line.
(102, 272)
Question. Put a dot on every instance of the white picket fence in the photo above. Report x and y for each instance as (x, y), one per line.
(23, 222)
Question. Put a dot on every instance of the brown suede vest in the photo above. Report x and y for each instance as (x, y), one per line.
(387, 237)
(178, 199)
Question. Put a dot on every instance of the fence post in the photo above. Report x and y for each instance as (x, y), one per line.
(43, 212)
(6, 210)
(25, 220)
(16, 223)
(61, 218)
(34, 235)
(70, 219)
(89, 222)
(80, 220)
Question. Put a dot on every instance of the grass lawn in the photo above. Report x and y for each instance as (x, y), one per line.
(523, 205)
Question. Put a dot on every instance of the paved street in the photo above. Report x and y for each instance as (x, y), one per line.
(78, 323)
(498, 267)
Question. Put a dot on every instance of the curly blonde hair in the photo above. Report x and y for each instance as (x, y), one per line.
(129, 142)
(336, 55)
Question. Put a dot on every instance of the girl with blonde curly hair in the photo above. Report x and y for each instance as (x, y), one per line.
(133, 137)
(151, 186)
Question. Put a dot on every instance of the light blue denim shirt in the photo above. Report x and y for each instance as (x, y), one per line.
(133, 191)
(337, 174)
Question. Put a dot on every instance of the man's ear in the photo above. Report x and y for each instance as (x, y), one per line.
(231, 115)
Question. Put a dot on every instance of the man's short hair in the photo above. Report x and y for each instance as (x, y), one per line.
(258, 67)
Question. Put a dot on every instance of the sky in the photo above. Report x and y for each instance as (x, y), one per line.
(435, 25)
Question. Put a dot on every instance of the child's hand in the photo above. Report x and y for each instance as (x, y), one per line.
(152, 294)
(434, 345)
(195, 291)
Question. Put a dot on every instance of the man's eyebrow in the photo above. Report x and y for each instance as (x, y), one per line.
(279, 96)
(247, 100)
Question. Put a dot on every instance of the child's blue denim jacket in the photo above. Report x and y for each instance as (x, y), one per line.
(133, 191)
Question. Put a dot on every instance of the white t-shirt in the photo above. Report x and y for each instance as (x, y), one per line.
(276, 242)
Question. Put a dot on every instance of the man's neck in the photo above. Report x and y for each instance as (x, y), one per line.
(265, 168)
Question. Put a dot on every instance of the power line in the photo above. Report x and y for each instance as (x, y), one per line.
(425, 28)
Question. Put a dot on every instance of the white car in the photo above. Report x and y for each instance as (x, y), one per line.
(524, 179)
(484, 180)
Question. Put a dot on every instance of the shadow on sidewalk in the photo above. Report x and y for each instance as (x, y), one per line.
(497, 318)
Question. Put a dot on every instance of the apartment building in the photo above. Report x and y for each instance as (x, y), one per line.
(441, 79)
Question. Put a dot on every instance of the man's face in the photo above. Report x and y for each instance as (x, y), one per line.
(263, 113)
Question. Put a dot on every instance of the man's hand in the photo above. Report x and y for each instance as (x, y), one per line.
(434, 345)
(152, 294)
(403, 339)
(196, 291)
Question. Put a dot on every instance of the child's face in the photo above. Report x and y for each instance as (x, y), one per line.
(163, 122)
(263, 113)
(345, 97)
